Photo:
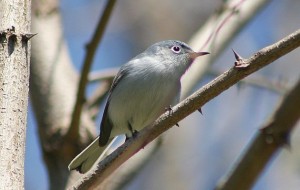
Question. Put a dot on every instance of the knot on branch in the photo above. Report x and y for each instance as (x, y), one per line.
(26, 37)
(240, 61)
(9, 38)
(273, 136)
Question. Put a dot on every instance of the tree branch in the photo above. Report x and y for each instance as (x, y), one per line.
(129, 171)
(186, 107)
(53, 88)
(107, 74)
(274, 134)
(93, 103)
(235, 16)
(279, 86)
(73, 132)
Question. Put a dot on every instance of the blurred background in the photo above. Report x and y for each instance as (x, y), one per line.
(199, 152)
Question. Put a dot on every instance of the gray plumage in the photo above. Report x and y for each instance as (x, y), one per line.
(140, 92)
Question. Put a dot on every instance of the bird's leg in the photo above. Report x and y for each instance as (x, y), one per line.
(127, 137)
(133, 132)
(171, 112)
(169, 109)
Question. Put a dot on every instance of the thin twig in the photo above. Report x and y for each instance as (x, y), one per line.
(186, 107)
(227, 30)
(233, 10)
(274, 134)
(107, 74)
(93, 103)
(73, 132)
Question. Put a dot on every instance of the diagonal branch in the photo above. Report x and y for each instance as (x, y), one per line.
(228, 22)
(279, 86)
(266, 142)
(107, 74)
(93, 103)
(189, 105)
(73, 132)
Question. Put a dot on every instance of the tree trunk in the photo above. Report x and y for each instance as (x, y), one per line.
(15, 22)
(53, 87)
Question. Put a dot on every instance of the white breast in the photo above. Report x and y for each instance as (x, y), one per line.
(140, 98)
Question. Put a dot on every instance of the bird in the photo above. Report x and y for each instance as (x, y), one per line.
(139, 94)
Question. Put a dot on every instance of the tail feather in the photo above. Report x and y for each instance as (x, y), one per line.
(84, 161)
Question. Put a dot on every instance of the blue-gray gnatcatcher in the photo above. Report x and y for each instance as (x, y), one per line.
(140, 93)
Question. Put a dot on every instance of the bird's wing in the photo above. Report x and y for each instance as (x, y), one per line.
(106, 124)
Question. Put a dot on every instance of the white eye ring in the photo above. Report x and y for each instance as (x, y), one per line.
(176, 49)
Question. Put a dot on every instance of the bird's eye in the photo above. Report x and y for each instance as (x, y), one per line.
(176, 49)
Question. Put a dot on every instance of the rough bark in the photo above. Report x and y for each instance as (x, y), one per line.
(14, 85)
